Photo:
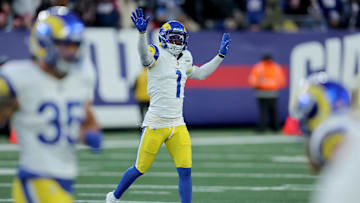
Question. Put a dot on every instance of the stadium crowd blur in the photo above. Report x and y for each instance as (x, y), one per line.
(251, 15)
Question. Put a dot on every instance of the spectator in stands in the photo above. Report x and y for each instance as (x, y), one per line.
(86, 10)
(213, 14)
(107, 14)
(355, 14)
(276, 20)
(5, 11)
(166, 10)
(125, 9)
(296, 7)
(255, 13)
(24, 12)
(267, 78)
(303, 14)
(335, 12)
(99, 13)
(45, 4)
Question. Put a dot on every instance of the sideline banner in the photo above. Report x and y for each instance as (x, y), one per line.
(224, 98)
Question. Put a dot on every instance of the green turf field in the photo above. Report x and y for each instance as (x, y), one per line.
(228, 166)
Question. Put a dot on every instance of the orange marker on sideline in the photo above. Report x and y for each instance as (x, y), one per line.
(13, 138)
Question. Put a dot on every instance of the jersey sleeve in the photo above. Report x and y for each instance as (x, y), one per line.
(202, 72)
(6, 89)
(323, 144)
(9, 84)
(189, 61)
(154, 50)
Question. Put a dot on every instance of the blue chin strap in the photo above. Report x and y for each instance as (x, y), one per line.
(303, 127)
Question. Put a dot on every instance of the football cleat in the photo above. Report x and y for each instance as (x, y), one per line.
(110, 198)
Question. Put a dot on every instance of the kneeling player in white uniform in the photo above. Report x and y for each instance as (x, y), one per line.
(169, 65)
(48, 100)
(334, 144)
(340, 181)
(320, 105)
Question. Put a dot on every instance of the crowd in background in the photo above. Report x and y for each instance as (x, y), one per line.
(252, 15)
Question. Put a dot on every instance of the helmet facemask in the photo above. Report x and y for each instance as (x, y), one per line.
(68, 56)
(175, 43)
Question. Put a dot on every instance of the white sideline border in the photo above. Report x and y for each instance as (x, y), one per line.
(196, 141)
(92, 201)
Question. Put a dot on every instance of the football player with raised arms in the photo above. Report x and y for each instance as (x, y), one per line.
(48, 100)
(169, 65)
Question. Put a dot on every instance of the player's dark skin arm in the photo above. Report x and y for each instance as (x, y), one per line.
(315, 167)
(89, 122)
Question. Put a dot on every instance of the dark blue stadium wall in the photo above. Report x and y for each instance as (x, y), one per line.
(225, 98)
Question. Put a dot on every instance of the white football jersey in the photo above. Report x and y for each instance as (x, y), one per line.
(50, 113)
(329, 134)
(166, 82)
(340, 180)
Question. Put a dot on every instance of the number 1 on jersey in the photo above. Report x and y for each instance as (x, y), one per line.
(178, 88)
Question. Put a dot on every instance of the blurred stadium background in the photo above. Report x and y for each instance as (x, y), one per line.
(232, 163)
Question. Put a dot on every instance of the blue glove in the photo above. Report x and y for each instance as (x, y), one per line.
(225, 43)
(93, 139)
(139, 20)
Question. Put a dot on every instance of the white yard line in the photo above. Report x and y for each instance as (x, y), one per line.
(286, 187)
(194, 174)
(122, 201)
(169, 164)
(226, 156)
(290, 159)
(208, 175)
(202, 156)
(93, 201)
(248, 165)
(208, 165)
(7, 171)
(142, 192)
(197, 141)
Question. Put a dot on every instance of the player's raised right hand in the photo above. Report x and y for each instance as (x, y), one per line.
(139, 20)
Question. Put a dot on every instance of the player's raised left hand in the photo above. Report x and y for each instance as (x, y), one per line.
(139, 20)
(225, 44)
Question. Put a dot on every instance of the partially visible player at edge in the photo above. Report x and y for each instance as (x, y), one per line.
(48, 100)
(322, 107)
(169, 65)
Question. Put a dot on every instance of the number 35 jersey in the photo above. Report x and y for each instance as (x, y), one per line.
(49, 117)
(166, 81)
